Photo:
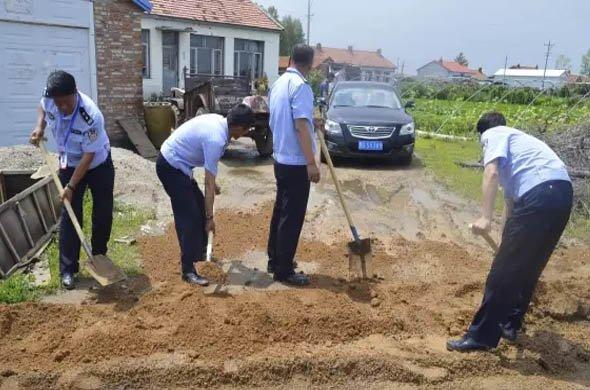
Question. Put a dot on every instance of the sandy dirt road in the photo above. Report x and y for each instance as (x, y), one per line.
(389, 332)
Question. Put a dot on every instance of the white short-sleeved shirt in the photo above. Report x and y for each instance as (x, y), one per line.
(291, 98)
(524, 161)
(199, 142)
(88, 133)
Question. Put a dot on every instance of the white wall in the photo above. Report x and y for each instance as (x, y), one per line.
(155, 25)
(533, 82)
(433, 70)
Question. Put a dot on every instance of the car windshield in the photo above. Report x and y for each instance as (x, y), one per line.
(365, 96)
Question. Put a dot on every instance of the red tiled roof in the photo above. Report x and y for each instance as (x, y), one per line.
(354, 57)
(235, 12)
(456, 67)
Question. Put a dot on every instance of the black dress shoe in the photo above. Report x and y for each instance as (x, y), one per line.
(466, 344)
(195, 279)
(298, 280)
(67, 281)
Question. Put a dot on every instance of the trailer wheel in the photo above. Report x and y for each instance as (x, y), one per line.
(264, 143)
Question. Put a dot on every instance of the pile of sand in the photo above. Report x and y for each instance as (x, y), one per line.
(136, 182)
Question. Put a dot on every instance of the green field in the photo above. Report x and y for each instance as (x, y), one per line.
(459, 118)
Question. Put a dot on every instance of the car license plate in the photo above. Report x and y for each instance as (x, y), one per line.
(371, 145)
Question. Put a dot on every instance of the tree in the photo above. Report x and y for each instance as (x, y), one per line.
(586, 64)
(563, 62)
(292, 33)
(272, 11)
(461, 59)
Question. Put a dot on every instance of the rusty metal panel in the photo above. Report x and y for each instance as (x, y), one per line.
(27, 220)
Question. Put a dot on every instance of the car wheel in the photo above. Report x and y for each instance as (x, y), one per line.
(406, 159)
(264, 143)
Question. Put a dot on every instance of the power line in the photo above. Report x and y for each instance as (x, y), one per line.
(308, 20)
(549, 47)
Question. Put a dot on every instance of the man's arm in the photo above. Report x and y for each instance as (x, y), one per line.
(39, 130)
(491, 180)
(304, 135)
(78, 175)
(210, 191)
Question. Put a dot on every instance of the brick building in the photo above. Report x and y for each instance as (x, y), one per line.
(98, 41)
(117, 26)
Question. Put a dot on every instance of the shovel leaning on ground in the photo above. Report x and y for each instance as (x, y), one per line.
(100, 267)
(359, 250)
(486, 236)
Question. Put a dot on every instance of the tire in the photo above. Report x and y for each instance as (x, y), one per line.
(406, 160)
(264, 143)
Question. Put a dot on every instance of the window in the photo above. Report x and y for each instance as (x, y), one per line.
(145, 53)
(206, 55)
(248, 58)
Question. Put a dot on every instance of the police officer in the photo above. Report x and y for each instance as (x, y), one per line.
(292, 124)
(78, 128)
(199, 142)
(538, 195)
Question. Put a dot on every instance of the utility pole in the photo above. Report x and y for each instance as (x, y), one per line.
(549, 47)
(308, 20)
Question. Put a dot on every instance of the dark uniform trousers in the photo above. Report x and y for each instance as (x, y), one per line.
(188, 206)
(101, 181)
(529, 238)
(288, 216)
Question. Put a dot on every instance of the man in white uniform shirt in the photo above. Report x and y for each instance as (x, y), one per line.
(292, 124)
(199, 142)
(538, 202)
(78, 128)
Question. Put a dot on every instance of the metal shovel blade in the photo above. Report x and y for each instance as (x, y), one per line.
(360, 259)
(41, 173)
(105, 271)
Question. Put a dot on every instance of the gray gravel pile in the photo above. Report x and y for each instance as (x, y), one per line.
(136, 183)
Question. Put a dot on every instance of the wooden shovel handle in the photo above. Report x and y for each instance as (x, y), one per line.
(337, 184)
(486, 236)
(67, 204)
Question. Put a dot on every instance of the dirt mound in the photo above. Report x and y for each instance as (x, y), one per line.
(158, 332)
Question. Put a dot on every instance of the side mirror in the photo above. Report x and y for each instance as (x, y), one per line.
(410, 104)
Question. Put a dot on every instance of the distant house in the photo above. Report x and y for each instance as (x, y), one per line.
(449, 70)
(370, 65)
(534, 78)
(214, 38)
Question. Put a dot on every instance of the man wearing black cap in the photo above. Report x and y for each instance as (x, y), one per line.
(78, 128)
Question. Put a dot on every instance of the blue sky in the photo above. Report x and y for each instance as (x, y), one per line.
(417, 31)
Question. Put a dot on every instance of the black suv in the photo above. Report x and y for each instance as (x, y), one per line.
(367, 119)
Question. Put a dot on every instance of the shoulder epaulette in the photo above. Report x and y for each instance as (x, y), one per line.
(87, 118)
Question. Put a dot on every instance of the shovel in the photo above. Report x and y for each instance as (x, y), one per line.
(100, 267)
(209, 247)
(359, 250)
(486, 236)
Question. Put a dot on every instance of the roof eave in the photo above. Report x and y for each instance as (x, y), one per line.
(145, 5)
(169, 17)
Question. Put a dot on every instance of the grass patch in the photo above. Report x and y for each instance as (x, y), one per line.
(126, 222)
(440, 157)
(18, 288)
